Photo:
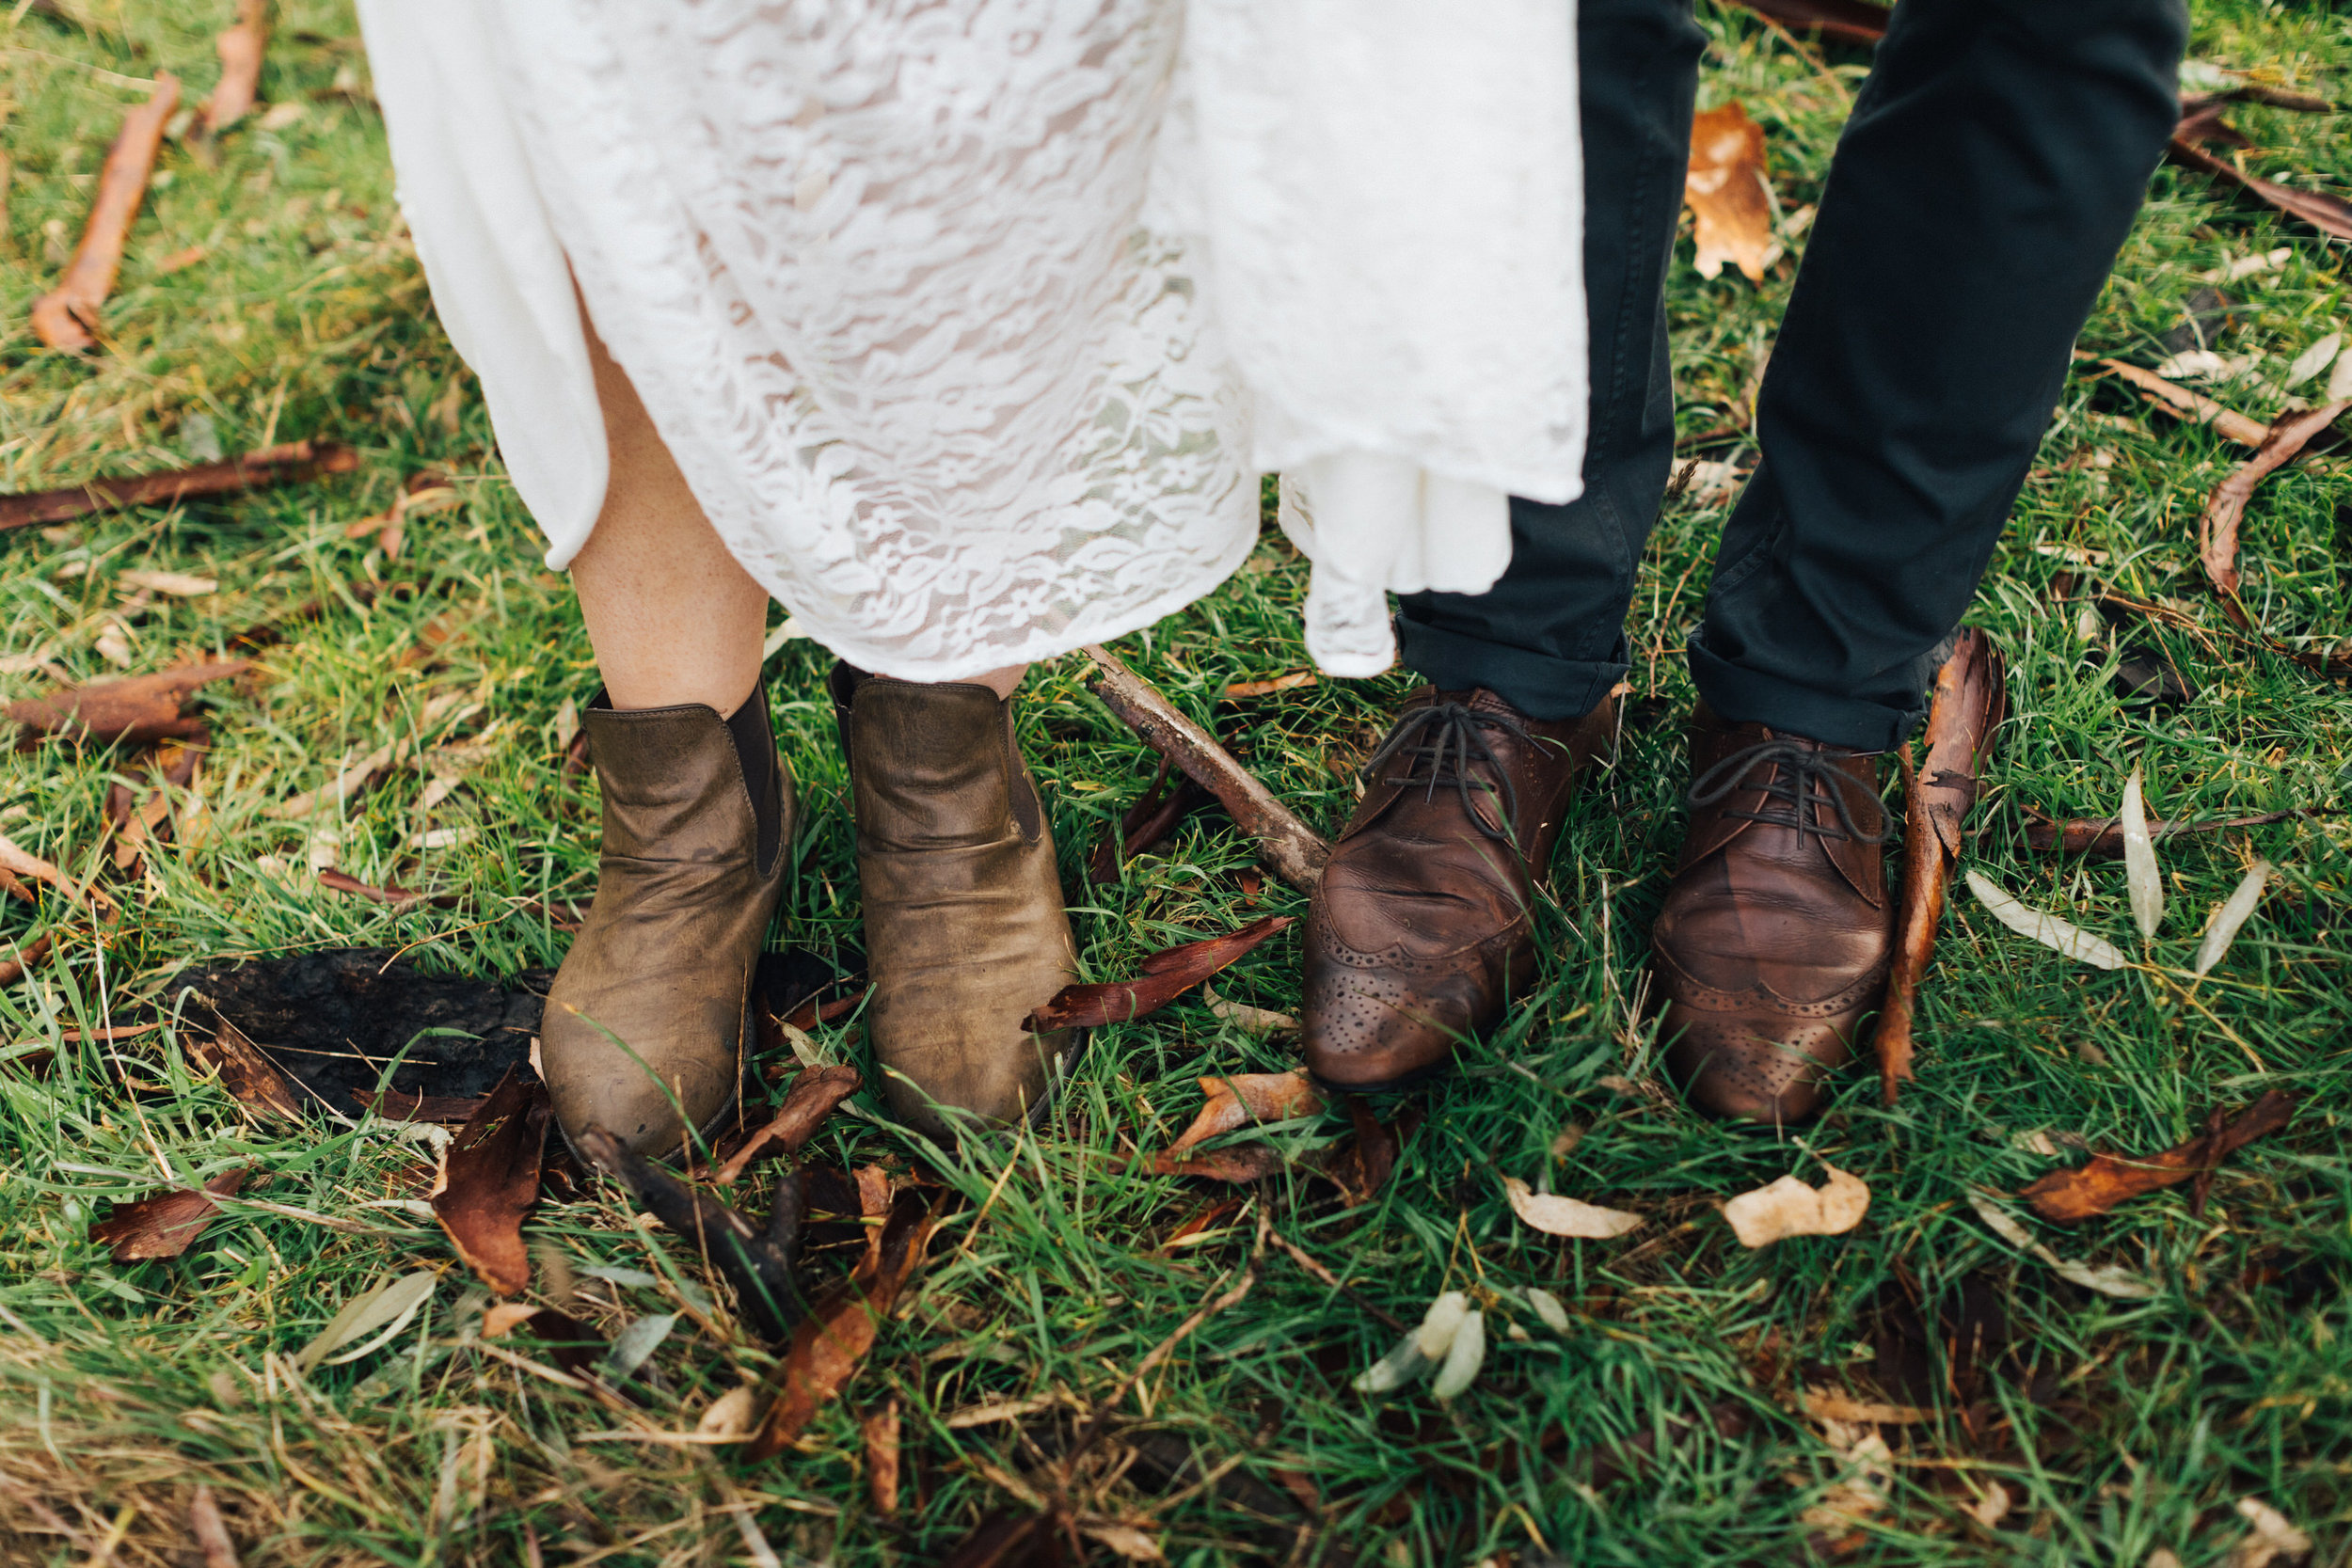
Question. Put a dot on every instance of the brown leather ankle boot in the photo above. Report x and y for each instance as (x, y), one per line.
(646, 1025)
(1772, 944)
(1421, 930)
(965, 929)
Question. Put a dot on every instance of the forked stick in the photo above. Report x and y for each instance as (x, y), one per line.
(1290, 849)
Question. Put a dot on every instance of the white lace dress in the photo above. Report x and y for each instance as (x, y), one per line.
(972, 323)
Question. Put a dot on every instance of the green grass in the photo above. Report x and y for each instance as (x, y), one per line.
(2113, 1427)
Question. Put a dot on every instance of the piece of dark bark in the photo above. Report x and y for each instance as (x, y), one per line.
(1165, 975)
(489, 1180)
(295, 463)
(27, 957)
(756, 1260)
(1963, 718)
(163, 1225)
(829, 1343)
(2329, 215)
(1289, 848)
(1847, 21)
(1145, 824)
(66, 316)
(135, 710)
(2070, 1197)
(2103, 837)
(334, 1020)
(814, 1095)
(246, 1071)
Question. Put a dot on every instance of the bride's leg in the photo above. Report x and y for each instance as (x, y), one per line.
(646, 1025)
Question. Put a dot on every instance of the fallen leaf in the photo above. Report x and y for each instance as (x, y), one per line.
(1250, 1163)
(990, 1411)
(1127, 1541)
(634, 1345)
(2228, 916)
(1249, 1020)
(2143, 882)
(1965, 712)
(1164, 977)
(490, 1178)
(1991, 1509)
(2312, 360)
(2070, 1197)
(1297, 678)
(2110, 1282)
(1242, 1098)
(210, 1530)
(813, 1096)
(881, 1432)
(1465, 1352)
(2272, 1539)
(1565, 1216)
(1837, 1407)
(730, 1414)
(2329, 215)
(1548, 1307)
(240, 49)
(2205, 364)
(66, 316)
(246, 1072)
(390, 1307)
(506, 1317)
(1789, 1207)
(1728, 194)
(138, 710)
(2218, 528)
(164, 1223)
(2047, 930)
(831, 1342)
(2182, 404)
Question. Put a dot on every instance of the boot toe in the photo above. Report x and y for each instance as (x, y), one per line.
(594, 1082)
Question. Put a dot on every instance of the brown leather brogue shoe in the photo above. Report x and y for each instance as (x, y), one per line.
(1422, 931)
(966, 933)
(1772, 944)
(646, 1025)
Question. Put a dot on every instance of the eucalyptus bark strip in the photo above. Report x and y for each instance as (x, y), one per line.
(66, 316)
(292, 462)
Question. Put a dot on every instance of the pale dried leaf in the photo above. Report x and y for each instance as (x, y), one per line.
(2163, 1556)
(1789, 1207)
(179, 584)
(2141, 876)
(1548, 1307)
(2272, 1540)
(2230, 915)
(993, 1411)
(634, 1344)
(1837, 1407)
(1396, 1369)
(2312, 360)
(1464, 1355)
(1566, 1217)
(2108, 1280)
(1993, 1507)
(730, 1414)
(1438, 1324)
(1124, 1539)
(396, 1302)
(507, 1316)
(2047, 930)
(1249, 1020)
(2339, 379)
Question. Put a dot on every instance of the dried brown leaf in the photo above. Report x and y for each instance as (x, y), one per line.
(1789, 1207)
(247, 1072)
(829, 1343)
(1165, 975)
(241, 48)
(1726, 188)
(2195, 408)
(136, 710)
(2070, 1197)
(881, 1432)
(209, 1530)
(814, 1095)
(1238, 1100)
(2329, 215)
(490, 1178)
(163, 1224)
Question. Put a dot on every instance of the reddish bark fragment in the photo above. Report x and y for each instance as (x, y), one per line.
(164, 1223)
(2070, 1197)
(1165, 975)
(490, 1178)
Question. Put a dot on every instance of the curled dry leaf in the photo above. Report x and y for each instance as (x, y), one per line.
(1238, 690)
(1565, 1216)
(490, 1178)
(163, 1224)
(831, 1342)
(730, 1414)
(2273, 1540)
(2108, 1280)
(2070, 1197)
(1241, 1098)
(2217, 526)
(2047, 930)
(1789, 1207)
(881, 1432)
(387, 1307)
(240, 49)
(66, 316)
(2329, 215)
(136, 712)
(1969, 703)
(1165, 975)
(2182, 404)
(1725, 187)
(1289, 848)
(1465, 1353)
(814, 1095)
(2230, 916)
(2142, 880)
(209, 1530)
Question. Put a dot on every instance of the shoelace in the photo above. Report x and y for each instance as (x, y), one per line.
(1449, 737)
(1803, 777)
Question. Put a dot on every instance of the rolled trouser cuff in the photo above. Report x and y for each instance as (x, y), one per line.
(1744, 696)
(1538, 684)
